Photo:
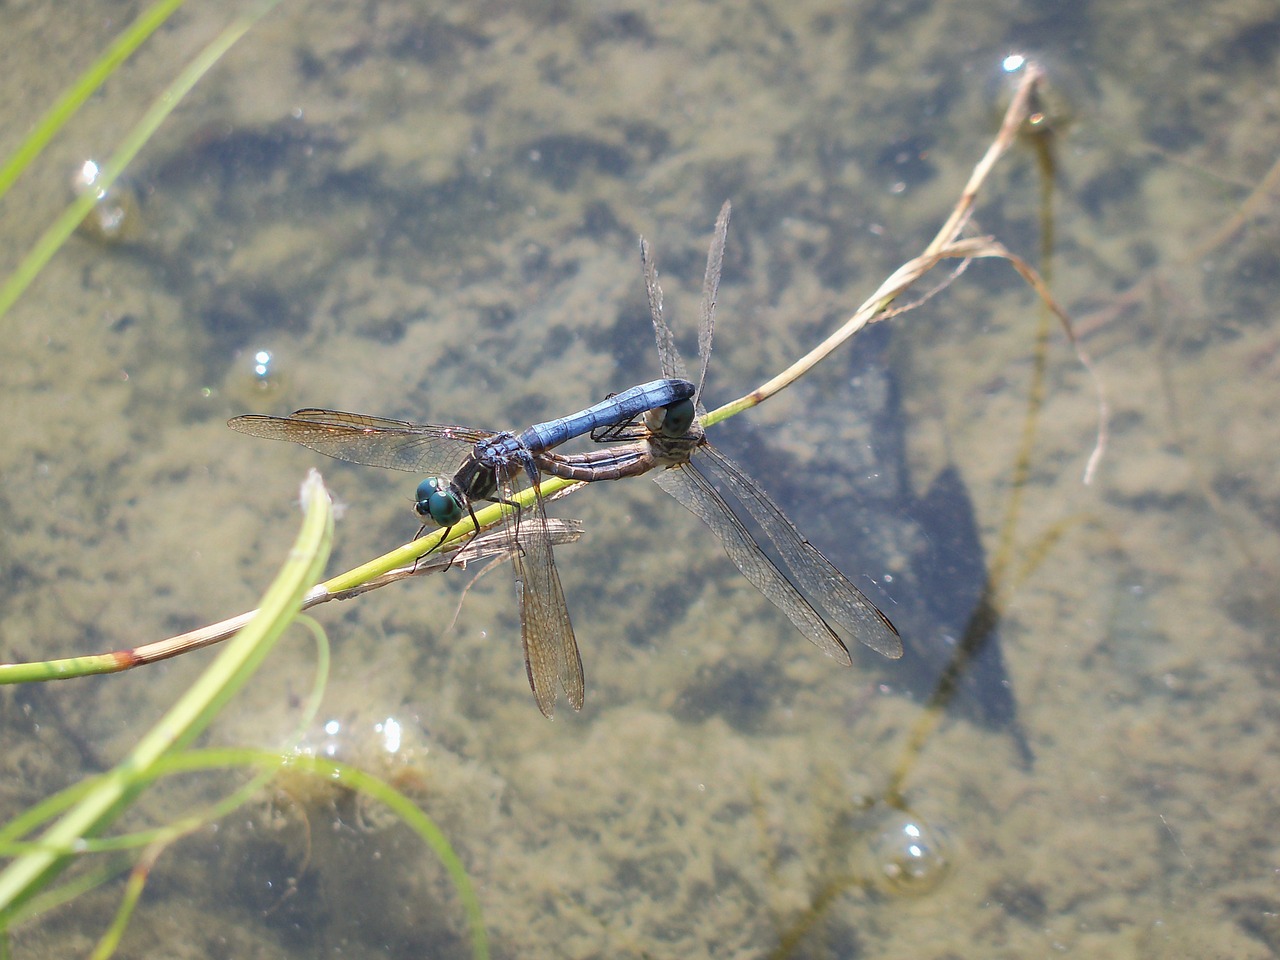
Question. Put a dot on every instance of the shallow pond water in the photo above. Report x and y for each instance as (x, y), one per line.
(432, 212)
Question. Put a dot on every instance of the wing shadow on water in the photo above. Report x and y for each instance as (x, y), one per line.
(918, 557)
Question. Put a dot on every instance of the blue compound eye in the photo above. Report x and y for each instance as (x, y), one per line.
(437, 503)
(677, 419)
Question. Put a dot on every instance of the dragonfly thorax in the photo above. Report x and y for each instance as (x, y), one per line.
(498, 451)
(438, 502)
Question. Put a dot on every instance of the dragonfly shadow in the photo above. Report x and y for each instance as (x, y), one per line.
(923, 553)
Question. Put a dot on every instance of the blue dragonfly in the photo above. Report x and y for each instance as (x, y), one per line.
(669, 437)
(467, 465)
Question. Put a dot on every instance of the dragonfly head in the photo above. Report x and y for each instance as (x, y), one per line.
(438, 503)
(674, 420)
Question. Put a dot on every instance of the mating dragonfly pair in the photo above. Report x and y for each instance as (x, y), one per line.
(654, 427)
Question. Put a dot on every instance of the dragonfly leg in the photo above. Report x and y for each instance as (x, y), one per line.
(421, 530)
(474, 533)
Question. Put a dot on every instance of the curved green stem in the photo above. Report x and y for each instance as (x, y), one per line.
(113, 793)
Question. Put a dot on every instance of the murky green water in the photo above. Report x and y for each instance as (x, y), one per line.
(431, 212)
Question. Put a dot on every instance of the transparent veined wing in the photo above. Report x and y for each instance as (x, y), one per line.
(550, 649)
(699, 497)
(373, 441)
(811, 571)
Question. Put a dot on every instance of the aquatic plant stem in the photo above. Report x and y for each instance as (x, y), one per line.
(947, 244)
(115, 791)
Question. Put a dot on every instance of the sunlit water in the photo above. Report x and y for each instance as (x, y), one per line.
(433, 214)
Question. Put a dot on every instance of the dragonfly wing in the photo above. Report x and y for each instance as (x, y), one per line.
(672, 365)
(817, 576)
(550, 649)
(710, 289)
(695, 492)
(375, 441)
(668, 355)
(497, 545)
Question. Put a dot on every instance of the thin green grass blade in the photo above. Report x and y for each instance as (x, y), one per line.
(160, 837)
(331, 771)
(110, 939)
(80, 91)
(65, 224)
(115, 791)
(172, 831)
(50, 898)
(424, 827)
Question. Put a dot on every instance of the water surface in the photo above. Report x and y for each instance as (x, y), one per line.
(432, 212)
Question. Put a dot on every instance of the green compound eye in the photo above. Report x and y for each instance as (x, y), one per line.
(677, 419)
(437, 503)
